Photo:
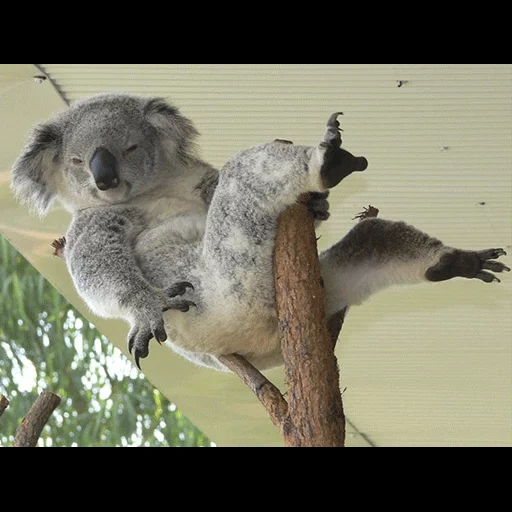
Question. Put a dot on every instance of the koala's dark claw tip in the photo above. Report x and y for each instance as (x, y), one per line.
(160, 335)
(180, 305)
(186, 305)
(139, 354)
(333, 120)
(179, 288)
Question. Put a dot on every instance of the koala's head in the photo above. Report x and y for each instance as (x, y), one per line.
(105, 149)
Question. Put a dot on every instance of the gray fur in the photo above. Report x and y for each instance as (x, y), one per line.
(173, 221)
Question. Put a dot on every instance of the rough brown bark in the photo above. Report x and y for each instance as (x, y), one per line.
(4, 403)
(315, 407)
(30, 429)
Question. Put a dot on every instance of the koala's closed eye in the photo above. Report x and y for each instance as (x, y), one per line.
(131, 149)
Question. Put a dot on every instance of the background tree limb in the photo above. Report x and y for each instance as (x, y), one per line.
(30, 429)
(4, 403)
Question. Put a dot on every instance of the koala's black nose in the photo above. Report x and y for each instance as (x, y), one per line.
(103, 167)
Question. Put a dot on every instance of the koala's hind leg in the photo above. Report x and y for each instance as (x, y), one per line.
(377, 253)
(254, 187)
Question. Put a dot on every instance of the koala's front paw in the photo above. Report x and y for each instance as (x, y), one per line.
(337, 163)
(318, 205)
(149, 322)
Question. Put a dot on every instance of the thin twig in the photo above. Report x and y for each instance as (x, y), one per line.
(4, 403)
(266, 392)
(58, 247)
(30, 429)
(367, 213)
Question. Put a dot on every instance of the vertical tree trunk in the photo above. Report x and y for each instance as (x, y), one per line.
(315, 408)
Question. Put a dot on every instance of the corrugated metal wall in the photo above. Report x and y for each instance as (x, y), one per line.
(423, 365)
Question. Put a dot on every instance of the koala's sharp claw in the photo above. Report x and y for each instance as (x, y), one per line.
(160, 334)
(179, 288)
(185, 306)
(180, 305)
(491, 254)
(333, 120)
(140, 353)
(138, 341)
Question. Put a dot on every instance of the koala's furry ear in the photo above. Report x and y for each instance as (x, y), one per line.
(178, 132)
(32, 173)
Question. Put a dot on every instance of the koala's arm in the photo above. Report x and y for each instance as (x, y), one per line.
(101, 260)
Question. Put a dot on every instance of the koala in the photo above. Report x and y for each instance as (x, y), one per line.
(183, 252)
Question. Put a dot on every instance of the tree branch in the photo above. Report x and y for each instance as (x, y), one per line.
(4, 403)
(315, 409)
(30, 429)
(314, 416)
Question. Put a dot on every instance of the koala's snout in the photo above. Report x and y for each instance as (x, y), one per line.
(103, 166)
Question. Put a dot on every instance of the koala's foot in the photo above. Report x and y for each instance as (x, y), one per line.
(337, 163)
(149, 322)
(468, 264)
(318, 205)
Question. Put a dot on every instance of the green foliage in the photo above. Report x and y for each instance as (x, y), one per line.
(45, 344)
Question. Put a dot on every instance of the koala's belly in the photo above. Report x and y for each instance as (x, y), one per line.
(236, 310)
(165, 258)
(251, 334)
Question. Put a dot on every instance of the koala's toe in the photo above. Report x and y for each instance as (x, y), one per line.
(138, 342)
(179, 288)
